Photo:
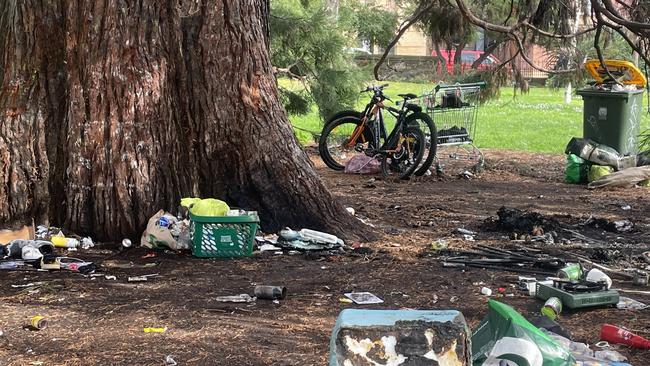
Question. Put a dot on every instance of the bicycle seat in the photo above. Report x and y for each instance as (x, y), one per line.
(407, 96)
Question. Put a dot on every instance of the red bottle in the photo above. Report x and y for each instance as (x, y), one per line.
(614, 334)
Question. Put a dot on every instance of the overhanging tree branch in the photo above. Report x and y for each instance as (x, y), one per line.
(402, 29)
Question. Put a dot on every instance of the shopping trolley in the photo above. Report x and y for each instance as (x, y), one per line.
(454, 110)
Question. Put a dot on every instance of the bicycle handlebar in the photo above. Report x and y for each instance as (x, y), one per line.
(375, 88)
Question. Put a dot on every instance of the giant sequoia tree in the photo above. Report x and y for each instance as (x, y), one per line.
(112, 109)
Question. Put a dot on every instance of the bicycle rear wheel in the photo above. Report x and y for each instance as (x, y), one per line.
(425, 123)
(409, 155)
(343, 138)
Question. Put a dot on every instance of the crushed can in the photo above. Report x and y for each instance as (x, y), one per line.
(552, 308)
(38, 322)
(571, 272)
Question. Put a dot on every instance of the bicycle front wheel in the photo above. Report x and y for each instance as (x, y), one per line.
(409, 154)
(343, 138)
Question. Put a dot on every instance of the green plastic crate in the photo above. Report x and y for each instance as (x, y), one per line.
(222, 236)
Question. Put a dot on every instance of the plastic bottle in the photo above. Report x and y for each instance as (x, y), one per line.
(61, 241)
(614, 334)
(319, 236)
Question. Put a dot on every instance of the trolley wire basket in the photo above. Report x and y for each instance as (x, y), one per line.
(454, 110)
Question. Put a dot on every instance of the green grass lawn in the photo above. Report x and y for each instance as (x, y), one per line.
(539, 121)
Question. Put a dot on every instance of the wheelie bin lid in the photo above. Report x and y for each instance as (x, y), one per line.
(624, 71)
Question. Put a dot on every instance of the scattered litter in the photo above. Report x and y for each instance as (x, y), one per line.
(505, 334)
(464, 231)
(486, 291)
(1, 333)
(626, 207)
(623, 178)
(453, 299)
(447, 264)
(466, 174)
(137, 279)
(625, 303)
(583, 354)
(236, 298)
(125, 264)
(345, 300)
(616, 335)
(166, 231)
(552, 308)
(87, 243)
(546, 238)
(602, 344)
(38, 322)
(598, 153)
(268, 247)
(77, 265)
(363, 298)
(11, 264)
(270, 238)
(142, 278)
(362, 164)
(148, 255)
(31, 284)
(110, 277)
(468, 237)
(439, 244)
(169, 361)
(270, 292)
(126, 243)
(572, 272)
(640, 278)
(155, 330)
(60, 241)
(596, 275)
(350, 210)
(308, 240)
(610, 355)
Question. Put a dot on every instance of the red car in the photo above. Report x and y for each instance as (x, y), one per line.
(467, 58)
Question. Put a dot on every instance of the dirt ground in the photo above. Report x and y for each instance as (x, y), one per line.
(95, 321)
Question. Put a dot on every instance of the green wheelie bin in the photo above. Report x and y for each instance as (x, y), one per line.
(612, 112)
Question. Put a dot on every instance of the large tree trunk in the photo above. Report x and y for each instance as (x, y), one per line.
(32, 100)
(161, 101)
(248, 146)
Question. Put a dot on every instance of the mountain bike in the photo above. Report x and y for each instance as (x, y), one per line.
(349, 133)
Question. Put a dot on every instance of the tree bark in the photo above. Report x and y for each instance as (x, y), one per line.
(248, 145)
(458, 66)
(442, 63)
(158, 100)
(489, 51)
(32, 98)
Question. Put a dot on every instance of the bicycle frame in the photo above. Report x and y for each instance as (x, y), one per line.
(374, 109)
